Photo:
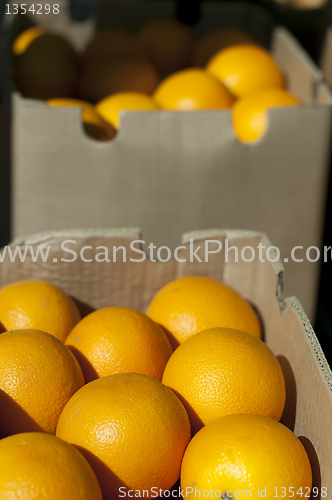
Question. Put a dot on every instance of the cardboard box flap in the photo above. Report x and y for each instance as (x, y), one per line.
(287, 330)
(72, 275)
(301, 74)
(192, 128)
(323, 94)
(309, 391)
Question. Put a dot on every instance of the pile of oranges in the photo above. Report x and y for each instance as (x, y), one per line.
(121, 404)
(162, 66)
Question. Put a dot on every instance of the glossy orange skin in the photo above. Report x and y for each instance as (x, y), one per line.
(36, 465)
(189, 305)
(192, 89)
(119, 340)
(110, 108)
(131, 428)
(222, 371)
(250, 119)
(248, 453)
(244, 69)
(38, 305)
(38, 375)
(215, 40)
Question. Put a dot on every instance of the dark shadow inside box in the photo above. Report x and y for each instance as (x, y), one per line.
(289, 413)
(323, 322)
(260, 320)
(317, 487)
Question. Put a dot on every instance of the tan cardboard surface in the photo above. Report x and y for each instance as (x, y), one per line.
(287, 330)
(193, 176)
(174, 172)
(302, 75)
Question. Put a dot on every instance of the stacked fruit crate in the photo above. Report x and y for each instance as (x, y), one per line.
(188, 158)
(229, 382)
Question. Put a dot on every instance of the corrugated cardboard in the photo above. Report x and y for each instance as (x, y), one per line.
(172, 172)
(286, 328)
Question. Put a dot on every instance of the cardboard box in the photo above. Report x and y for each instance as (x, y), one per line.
(286, 328)
(173, 172)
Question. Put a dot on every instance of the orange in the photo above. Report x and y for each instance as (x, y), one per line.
(24, 39)
(132, 429)
(38, 375)
(246, 453)
(39, 466)
(40, 41)
(116, 73)
(250, 117)
(214, 41)
(192, 89)
(46, 68)
(94, 124)
(38, 305)
(110, 107)
(194, 303)
(167, 42)
(39, 77)
(107, 42)
(119, 340)
(245, 68)
(223, 371)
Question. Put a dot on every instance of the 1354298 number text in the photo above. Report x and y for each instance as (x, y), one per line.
(35, 8)
(301, 493)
